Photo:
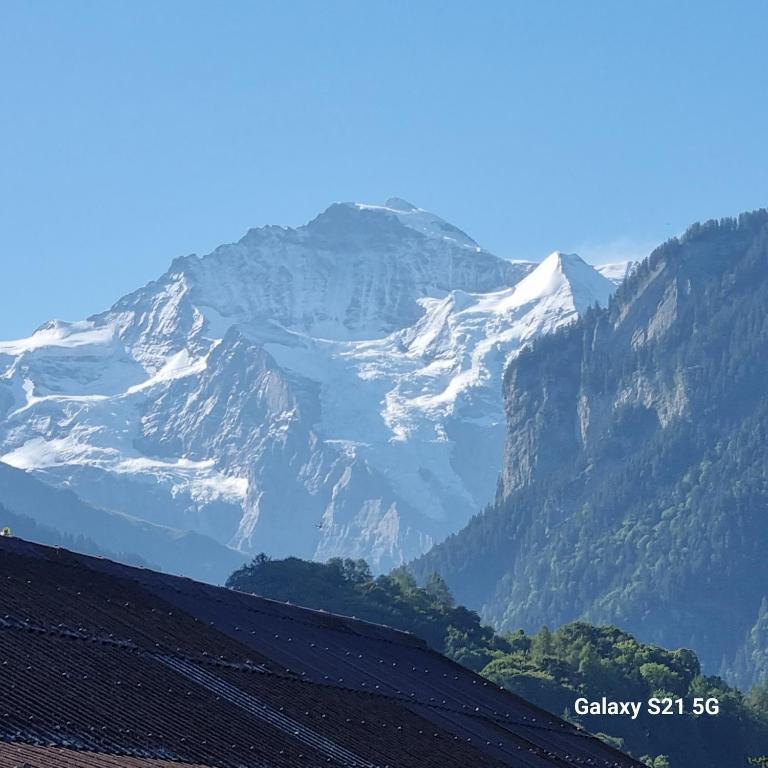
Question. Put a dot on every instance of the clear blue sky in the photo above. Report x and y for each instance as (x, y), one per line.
(132, 132)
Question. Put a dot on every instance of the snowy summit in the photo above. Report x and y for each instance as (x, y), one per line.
(333, 389)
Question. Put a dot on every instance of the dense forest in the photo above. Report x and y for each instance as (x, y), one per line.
(634, 488)
(549, 668)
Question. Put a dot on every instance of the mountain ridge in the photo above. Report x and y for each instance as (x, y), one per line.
(315, 391)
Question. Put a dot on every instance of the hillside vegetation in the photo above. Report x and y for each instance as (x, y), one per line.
(551, 669)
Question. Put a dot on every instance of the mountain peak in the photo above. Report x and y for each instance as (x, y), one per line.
(565, 274)
(564, 262)
(565, 258)
(398, 204)
(421, 221)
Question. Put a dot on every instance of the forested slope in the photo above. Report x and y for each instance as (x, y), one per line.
(634, 489)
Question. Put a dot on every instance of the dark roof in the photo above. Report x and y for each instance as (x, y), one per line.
(101, 659)
(20, 755)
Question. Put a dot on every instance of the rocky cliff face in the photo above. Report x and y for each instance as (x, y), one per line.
(634, 484)
(333, 389)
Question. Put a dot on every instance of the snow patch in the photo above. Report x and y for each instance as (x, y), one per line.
(422, 221)
(616, 271)
(176, 366)
(58, 333)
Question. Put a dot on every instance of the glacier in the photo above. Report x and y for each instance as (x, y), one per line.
(328, 390)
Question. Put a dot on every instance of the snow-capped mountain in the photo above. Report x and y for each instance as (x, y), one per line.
(616, 271)
(333, 389)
